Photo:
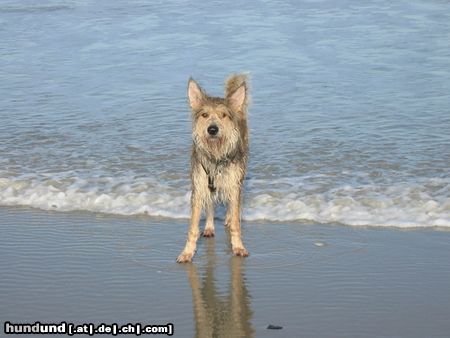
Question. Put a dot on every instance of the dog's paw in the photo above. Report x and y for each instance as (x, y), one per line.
(227, 221)
(185, 257)
(242, 252)
(208, 233)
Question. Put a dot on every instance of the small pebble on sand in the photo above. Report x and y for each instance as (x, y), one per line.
(274, 327)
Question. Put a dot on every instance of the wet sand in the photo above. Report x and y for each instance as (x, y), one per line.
(313, 280)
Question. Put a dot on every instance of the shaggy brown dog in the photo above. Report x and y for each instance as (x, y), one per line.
(219, 160)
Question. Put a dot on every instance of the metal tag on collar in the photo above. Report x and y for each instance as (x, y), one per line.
(211, 186)
(222, 162)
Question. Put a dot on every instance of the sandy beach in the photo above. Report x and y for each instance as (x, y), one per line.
(312, 280)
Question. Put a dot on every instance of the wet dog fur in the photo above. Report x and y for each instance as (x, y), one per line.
(218, 161)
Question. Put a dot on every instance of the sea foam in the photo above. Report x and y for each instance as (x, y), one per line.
(424, 204)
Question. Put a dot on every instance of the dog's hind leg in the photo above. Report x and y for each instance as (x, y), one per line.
(209, 226)
(227, 218)
(235, 225)
(194, 232)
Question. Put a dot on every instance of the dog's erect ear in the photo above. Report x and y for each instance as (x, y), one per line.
(195, 94)
(236, 100)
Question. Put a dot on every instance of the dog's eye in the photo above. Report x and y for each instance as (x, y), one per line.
(224, 115)
(205, 115)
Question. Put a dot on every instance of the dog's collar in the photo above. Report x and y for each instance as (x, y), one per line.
(221, 163)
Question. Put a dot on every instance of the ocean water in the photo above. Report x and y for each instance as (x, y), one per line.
(350, 120)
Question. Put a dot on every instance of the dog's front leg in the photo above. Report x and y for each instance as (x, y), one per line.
(235, 224)
(193, 234)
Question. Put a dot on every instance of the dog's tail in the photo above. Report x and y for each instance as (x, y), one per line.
(233, 83)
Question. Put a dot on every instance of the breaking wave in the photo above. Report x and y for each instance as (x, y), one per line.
(423, 204)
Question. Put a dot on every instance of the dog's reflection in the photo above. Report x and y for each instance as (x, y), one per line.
(217, 315)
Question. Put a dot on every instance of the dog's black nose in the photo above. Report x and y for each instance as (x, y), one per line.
(213, 130)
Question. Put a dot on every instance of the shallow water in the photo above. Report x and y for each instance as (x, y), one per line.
(350, 120)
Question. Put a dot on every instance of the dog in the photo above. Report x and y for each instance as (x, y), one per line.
(218, 161)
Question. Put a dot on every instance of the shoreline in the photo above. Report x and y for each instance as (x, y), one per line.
(311, 279)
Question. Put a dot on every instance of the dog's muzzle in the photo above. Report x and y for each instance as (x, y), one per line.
(213, 130)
